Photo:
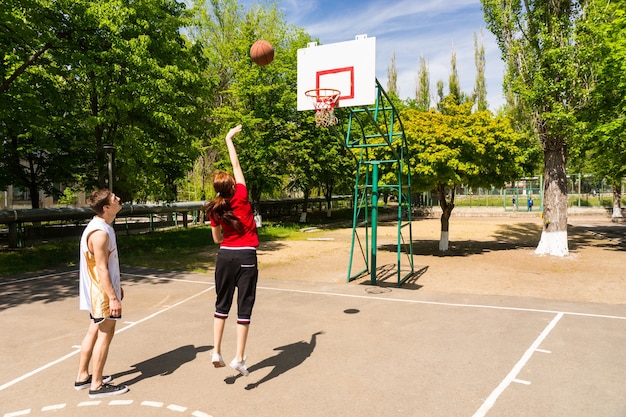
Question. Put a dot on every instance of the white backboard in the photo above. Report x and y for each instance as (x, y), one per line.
(349, 67)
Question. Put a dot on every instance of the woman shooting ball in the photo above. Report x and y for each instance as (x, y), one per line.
(234, 229)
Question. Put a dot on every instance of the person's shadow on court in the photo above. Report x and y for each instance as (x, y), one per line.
(290, 356)
(163, 364)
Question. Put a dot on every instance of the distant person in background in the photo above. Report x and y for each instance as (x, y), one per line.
(234, 228)
(100, 293)
(530, 204)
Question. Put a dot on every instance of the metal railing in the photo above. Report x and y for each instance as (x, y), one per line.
(16, 219)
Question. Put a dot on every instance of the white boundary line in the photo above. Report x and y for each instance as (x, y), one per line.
(439, 303)
(166, 279)
(511, 377)
(75, 271)
(571, 313)
(69, 355)
(15, 281)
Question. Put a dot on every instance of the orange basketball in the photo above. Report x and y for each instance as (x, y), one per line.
(262, 52)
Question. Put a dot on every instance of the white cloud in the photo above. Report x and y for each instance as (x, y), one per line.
(410, 29)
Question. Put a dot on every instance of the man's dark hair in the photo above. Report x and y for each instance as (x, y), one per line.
(98, 199)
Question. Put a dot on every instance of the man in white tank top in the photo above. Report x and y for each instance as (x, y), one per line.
(100, 293)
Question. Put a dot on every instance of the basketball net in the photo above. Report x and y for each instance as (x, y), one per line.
(324, 101)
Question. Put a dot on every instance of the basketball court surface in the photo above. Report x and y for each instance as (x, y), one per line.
(315, 349)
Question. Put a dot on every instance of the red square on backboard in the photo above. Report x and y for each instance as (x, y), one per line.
(333, 78)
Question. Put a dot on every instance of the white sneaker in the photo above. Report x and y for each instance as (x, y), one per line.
(240, 366)
(217, 360)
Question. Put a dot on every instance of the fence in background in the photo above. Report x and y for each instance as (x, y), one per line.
(27, 223)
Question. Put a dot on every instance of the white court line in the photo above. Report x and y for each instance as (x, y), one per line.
(75, 271)
(89, 403)
(521, 381)
(133, 324)
(121, 402)
(165, 279)
(200, 414)
(571, 313)
(178, 408)
(15, 281)
(36, 371)
(18, 413)
(53, 407)
(156, 404)
(69, 355)
(511, 377)
(438, 303)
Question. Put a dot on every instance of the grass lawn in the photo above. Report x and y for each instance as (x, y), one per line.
(190, 249)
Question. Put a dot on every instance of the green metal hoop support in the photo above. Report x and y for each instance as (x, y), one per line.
(376, 136)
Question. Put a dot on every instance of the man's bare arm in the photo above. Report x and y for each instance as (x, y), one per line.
(99, 246)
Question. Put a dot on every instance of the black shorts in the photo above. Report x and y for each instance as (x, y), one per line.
(236, 268)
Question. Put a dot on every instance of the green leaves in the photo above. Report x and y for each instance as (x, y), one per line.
(112, 72)
(603, 46)
(460, 147)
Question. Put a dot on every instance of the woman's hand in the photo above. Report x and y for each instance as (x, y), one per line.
(232, 132)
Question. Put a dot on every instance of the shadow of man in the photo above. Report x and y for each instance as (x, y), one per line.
(163, 364)
(290, 356)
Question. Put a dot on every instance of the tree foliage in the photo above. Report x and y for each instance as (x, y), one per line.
(261, 98)
(602, 44)
(422, 90)
(545, 83)
(109, 72)
(480, 86)
(456, 147)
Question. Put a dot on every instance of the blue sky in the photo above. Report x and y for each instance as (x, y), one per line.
(410, 29)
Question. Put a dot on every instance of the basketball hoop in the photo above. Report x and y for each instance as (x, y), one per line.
(324, 100)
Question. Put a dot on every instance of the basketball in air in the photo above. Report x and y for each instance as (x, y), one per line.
(262, 52)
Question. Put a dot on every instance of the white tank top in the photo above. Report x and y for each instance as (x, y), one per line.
(92, 296)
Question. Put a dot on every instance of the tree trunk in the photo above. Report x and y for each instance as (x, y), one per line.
(554, 235)
(305, 206)
(617, 196)
(328, 194)
(34, 195)
(329, 206)
(446, 212)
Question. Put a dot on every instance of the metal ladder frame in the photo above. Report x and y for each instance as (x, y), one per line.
(372, 128)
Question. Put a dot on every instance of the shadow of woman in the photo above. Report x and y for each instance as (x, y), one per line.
(163, 364)
(290, 356)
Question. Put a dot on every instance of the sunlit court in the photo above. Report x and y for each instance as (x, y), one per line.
(319, 346)
(313, 208)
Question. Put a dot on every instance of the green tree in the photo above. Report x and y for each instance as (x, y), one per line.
(538, 44)
(261, 98)
(392, 77)
(603, 46)
(456, 147)
(480, 87)
(141, 86)
(454, 86)
(337, 173)
(24, 42)
(422, 92)
(40, 142)
(106, 72)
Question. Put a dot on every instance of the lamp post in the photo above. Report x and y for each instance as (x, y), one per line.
(110, 149)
